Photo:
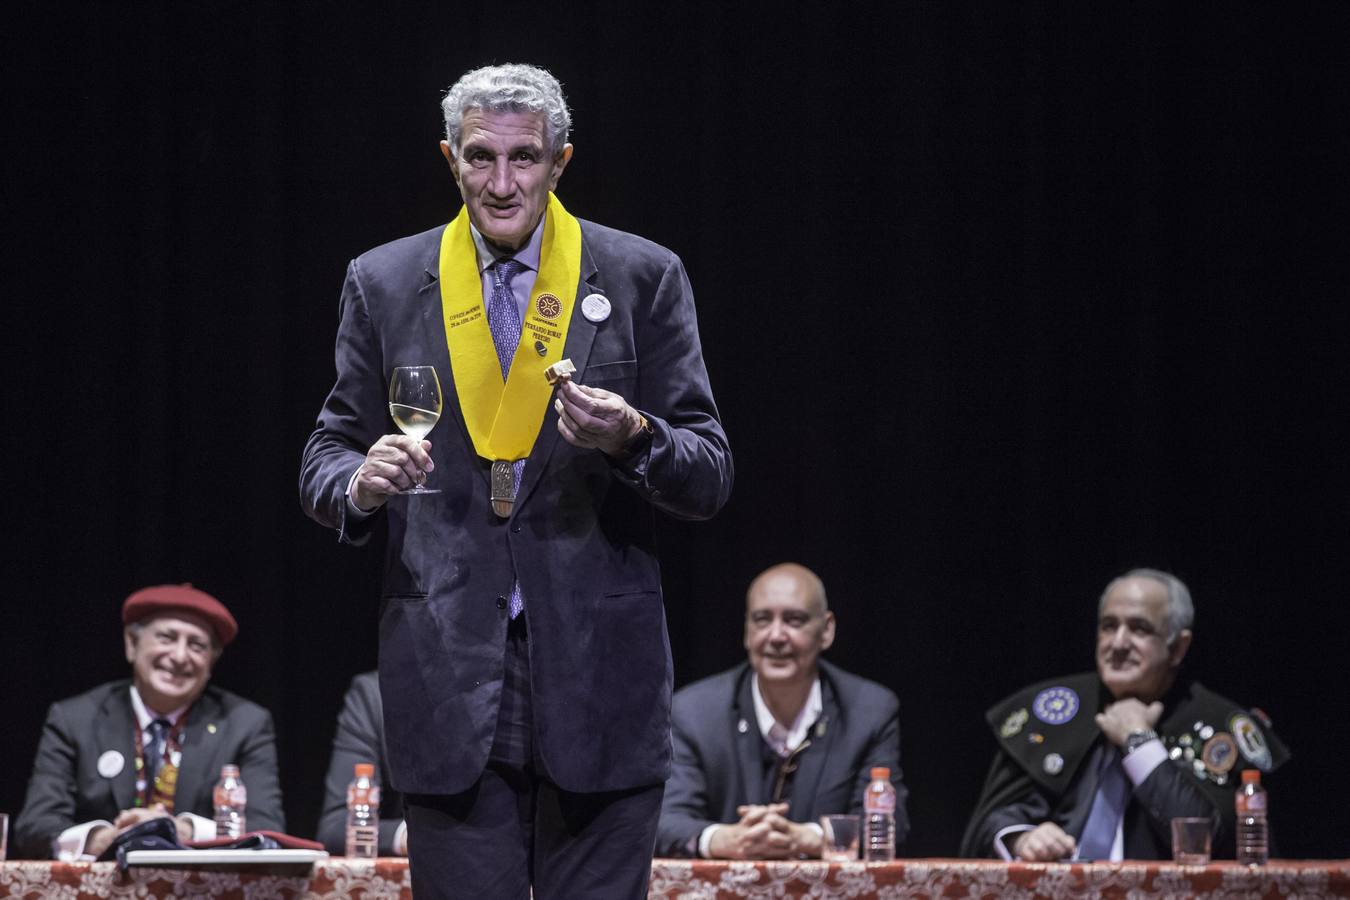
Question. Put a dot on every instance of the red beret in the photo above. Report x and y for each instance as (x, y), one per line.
(169, 597)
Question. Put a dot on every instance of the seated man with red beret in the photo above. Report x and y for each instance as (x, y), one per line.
(152, 746)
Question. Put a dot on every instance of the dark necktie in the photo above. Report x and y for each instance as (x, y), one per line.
(1108, 807)
(503, 315)
(154, 757)
(504, 322)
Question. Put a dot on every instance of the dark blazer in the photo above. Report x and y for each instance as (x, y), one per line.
(359, 738)
(66, 787)
(579, 539)
(718, 755)
(1022, 790)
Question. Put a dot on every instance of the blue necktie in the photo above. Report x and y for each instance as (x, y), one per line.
(504, 321)
(1108, 806)
(159, 729)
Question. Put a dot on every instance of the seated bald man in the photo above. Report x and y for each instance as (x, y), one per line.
(151, 745)
(1095, 766)
(763, 750)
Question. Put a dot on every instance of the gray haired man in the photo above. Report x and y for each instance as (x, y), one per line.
(1095, 766)
(525, 669)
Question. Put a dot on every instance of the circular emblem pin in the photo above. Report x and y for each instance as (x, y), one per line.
(1056, 705)
(1220, 753)
(595, 307)
(1206, 732)
(742, 727)
(1251, 743)
(548, 305)
(1013, 724)
(110, 763)
(1053, 764)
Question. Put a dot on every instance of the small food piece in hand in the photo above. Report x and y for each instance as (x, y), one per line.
(560, 369)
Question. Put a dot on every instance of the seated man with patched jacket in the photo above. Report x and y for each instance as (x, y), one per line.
(1096, 766)
(151, 746)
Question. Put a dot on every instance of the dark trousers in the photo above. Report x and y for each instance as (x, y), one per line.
(515, 828)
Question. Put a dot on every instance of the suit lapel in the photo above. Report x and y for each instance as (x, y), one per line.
(116, 730)
(201, 739)
(433, 326)
(580, 337)
(748, 742)
(815, 758)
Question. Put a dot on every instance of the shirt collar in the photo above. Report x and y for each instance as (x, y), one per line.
(527, 255)
(809, 713)
(143, 715)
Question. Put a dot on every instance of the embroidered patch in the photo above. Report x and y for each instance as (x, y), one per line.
(1014, 723)
(1220, 753)
(1056, 705)
(1251, 743)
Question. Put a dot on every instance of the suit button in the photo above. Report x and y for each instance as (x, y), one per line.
(515, 529)
(501, 603)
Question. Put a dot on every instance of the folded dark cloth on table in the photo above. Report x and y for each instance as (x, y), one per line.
(162, 834)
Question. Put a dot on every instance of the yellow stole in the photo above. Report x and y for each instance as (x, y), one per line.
(504, 419)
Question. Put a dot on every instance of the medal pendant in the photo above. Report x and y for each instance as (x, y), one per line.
(503, 488)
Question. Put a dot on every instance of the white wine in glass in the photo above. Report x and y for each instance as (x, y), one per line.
(415, 406)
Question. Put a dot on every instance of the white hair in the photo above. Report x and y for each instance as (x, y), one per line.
(511, 87)
(1180, 609)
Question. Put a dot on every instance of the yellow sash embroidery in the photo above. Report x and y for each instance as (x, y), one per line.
(504, 419)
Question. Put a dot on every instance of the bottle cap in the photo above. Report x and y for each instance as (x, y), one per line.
(365, 770)
(229, 770)
(1251, 776)
(881, 772)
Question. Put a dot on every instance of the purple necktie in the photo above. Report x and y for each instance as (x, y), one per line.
(504, 321)
(1108, 807)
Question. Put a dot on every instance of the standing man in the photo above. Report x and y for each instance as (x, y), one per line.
(524, 663)
(151, 746)
(1096, 766)
(765, 749)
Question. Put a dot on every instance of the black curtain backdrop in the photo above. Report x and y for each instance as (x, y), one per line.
(998, 300)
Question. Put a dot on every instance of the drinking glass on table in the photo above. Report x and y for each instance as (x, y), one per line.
(840, 838)
(1190, 841)
(415, 407)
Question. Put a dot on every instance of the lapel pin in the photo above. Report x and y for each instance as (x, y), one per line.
(742, 727)
(540, 348)
(110, 763)
(595, 307)
(211, 729)
(1053, 764)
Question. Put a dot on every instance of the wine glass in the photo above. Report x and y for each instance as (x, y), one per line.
(415, 406)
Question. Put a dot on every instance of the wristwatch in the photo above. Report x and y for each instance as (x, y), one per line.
(639, 442)
(1136, 739)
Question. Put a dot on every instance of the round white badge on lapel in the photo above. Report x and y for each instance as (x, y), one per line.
(595, 307)
(110, 763)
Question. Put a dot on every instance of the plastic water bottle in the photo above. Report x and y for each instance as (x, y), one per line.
(1253, 841)
(363, 813)
(230, 799)
(879, 804)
